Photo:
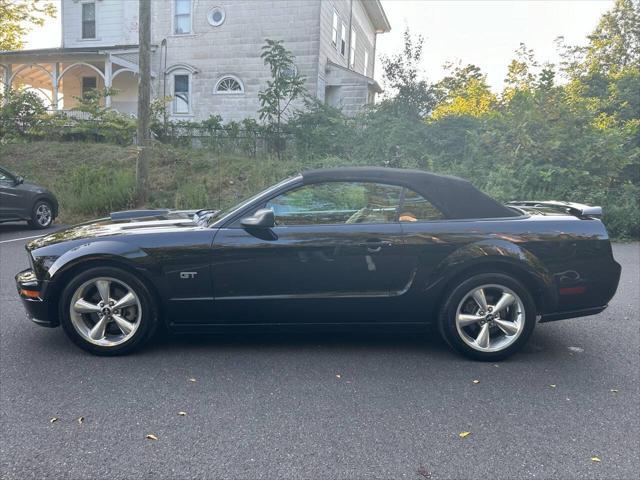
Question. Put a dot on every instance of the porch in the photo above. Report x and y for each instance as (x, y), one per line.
(62, 75)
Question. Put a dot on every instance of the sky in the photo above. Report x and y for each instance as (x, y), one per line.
(485, 33)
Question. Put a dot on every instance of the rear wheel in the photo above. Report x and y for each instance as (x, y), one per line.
(488, 317)
(107, 311)
(41, 215)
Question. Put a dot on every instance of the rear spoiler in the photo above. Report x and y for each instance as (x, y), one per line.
(576, 209)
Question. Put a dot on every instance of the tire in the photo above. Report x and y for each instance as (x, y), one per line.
(123, 329)
(484, 334)
(41, 215)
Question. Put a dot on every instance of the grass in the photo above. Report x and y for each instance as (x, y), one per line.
(91, 180)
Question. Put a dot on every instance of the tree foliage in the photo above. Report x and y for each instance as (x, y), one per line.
(17, 17)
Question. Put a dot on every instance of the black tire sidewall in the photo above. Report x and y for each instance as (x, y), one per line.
(149, 314)
(447, 322)
(34, 222)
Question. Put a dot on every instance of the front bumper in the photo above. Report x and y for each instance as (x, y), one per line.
(31, 291)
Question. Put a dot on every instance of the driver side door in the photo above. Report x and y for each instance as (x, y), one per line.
(335, 255)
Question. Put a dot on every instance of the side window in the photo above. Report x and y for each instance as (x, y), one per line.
(5, 179)
(337, 203)
(415, 208)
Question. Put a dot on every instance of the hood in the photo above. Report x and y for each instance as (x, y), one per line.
(109, 227)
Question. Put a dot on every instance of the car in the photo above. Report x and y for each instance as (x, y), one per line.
(336, 248)
(20, 200)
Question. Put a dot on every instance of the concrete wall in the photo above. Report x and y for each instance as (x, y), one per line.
(234, 48)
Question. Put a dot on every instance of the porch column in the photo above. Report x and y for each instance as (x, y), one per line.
(108, 73)
(6, 82)
(54, 90)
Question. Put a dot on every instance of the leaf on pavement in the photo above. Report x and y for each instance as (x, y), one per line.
(337, 375)
(53, 419)
(192, 379)
(182, 414)
(80, 420)
(614, 390)
(476, 381)
(151, 436)
(553, 385)
(595, 459)
(464, 434)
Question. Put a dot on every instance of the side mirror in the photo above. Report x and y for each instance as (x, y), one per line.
(19, 180)
(263, 218)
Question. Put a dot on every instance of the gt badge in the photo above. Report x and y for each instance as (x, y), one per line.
(188, 275)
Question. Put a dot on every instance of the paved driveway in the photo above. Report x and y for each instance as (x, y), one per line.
(347, 406)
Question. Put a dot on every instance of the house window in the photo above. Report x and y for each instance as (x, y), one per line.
(366, 62)
(181, 98)
(181, 17)
(352, 49)
(343, 40)
(229, 85)
(334, 29)
(89, 20)
(216, 16)
(88, 84)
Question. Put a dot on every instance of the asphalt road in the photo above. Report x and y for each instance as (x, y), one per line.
(347, 406)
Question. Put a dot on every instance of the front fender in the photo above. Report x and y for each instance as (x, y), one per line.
(110, 250)
(501, 255)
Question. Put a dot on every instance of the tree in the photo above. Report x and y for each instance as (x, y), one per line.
(18, 17)
(521, 72)
(401, 73)
(286, 84)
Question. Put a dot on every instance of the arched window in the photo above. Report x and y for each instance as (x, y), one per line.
(229, 85)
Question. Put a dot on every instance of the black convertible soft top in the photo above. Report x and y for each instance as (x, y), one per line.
(455, 197)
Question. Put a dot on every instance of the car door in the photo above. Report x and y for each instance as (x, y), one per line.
(11, 197)
(335, 255)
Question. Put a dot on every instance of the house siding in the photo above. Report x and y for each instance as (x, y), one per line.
(116, 23)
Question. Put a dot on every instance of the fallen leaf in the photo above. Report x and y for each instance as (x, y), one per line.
(464, 434)
(423, 472)
(192, 379)
(182, 414)
(553, 385)
(53, 419)
(338, 375)
(576, 349)
(595, 459)
(476, 381)
(614, 390)
(151, 436)
(80, 420)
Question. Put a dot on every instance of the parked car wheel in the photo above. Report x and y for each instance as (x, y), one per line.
(107, 311)
(488, 317)
(42, 215)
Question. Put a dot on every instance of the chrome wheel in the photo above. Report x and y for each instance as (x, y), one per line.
(43, 215)
(105, 311)
(490, 318)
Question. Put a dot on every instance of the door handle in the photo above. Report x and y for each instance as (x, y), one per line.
(374, 246)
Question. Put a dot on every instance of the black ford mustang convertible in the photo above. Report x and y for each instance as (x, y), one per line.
(332, 248)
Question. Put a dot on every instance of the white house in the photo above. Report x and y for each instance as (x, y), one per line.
(206, 53)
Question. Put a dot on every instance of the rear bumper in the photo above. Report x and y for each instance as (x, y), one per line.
(38, 309)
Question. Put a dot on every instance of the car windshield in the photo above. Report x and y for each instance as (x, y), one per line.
(226, 211)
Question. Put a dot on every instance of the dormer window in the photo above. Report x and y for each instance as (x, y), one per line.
(89, 20)
(181, 17)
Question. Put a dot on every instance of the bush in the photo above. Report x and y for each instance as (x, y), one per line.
(96, 191)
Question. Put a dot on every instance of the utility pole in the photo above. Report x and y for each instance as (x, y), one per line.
(144, 100)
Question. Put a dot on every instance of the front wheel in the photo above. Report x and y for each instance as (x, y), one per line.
(107, 311)
(488, 317)
(41, 215)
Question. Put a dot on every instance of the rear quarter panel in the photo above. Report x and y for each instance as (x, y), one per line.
(555, 254)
